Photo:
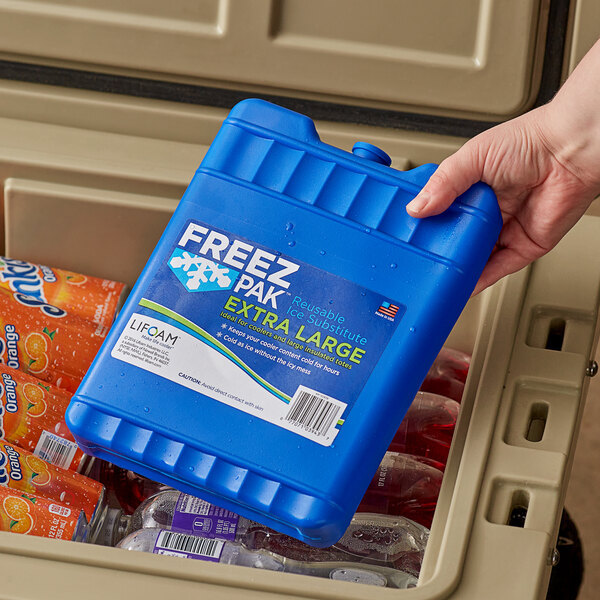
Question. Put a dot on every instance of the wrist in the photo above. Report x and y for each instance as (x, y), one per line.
(571, 132)
(570, 123)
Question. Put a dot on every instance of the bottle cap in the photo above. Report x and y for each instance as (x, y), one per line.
(371, 152)
(113, 528)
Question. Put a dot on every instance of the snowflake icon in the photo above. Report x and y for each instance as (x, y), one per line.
(198, 273)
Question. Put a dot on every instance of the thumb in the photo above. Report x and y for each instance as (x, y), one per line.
(454, 176)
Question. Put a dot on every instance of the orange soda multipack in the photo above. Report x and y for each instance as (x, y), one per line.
(32, 416)
(25, 472)
(92, 298)
(46, 341)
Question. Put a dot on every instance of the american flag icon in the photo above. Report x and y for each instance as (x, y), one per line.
(388, 309)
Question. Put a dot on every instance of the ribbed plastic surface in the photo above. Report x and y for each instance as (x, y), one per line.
(270, 186)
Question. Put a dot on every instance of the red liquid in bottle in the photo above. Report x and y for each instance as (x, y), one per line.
(427, 428)
(430, 462)
(129, 488)
(405, 487)
(448, 374)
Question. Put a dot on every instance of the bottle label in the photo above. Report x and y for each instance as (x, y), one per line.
(173, 543)
(264, 333)
(196, 516)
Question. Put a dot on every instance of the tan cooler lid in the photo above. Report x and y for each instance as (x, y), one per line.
(472, 58)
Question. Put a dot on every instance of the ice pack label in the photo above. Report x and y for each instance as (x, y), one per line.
(264, 333)
(196, 516)
(172, 543)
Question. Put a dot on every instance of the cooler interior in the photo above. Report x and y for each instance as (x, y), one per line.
(89, 179)
(88, 185)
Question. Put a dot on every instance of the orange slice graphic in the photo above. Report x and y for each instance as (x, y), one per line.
(35, 345)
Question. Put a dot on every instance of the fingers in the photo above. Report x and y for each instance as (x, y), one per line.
(501, 263)
(454, 176)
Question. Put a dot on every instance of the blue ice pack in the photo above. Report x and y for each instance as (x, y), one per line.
(282, 325)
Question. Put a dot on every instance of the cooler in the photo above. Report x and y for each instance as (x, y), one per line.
(106, 110)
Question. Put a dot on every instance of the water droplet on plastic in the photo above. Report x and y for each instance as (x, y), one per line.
(277, 253)
(367, 230)
(289, 226)
(322, 252)
(190, 468)
(122, 373)
(393, 266)
(146, 409)
(292, 243)
(373, 266)
(100, 386)
(363, 293)
(331, 302)
(412, 329)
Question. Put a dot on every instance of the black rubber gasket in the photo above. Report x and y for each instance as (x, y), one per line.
(318, 110)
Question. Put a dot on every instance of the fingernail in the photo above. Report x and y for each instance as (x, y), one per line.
(418, 203)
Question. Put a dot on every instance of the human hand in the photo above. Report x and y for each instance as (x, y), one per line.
(544, 167)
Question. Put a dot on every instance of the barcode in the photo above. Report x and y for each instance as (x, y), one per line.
(55, 450)
(190, 544)
(313, 412)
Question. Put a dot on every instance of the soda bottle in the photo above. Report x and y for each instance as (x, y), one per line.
(129, 488)
(32, 416)
(33, 514)
(430, 462)
(92, 298)
(427, 427)
(448, 374)
(453, 363)
(172, 543)
(403, 486)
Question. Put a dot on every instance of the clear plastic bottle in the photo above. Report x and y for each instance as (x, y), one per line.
(448, 374)
(378, 539)
(427, 427)
(371, 537)
(403, 486)
(162, 541)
